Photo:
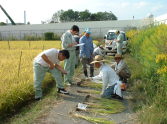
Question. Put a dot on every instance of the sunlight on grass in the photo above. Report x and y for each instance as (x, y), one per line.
(104, 106)
(16, 73)
(95, 120)
(92, 85)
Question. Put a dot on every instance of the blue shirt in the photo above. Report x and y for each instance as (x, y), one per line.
(86, 50)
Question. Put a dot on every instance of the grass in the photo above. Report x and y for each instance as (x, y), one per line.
(16, 85)
(94, 120)
(93, 85)
(89, 91)
(31, 112)
(104, 106)
(148, 52)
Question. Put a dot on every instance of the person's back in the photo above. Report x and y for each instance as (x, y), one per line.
(99, 51)
(120, 38)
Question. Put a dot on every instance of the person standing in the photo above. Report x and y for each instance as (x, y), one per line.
(86, 52)
(48, 61)
(119, 42)
(69, 43)
(76, 38)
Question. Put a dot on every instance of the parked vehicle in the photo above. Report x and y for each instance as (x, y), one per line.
(110, 43)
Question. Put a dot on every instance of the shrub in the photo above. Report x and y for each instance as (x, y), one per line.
(56, 37)
(149, 48)
(49, 36)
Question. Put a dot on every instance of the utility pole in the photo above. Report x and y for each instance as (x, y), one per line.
(13, 23)
(25, 17)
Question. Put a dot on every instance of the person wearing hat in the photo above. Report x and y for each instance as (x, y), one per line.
(86, 52)
(119, 41)
(121, 68)
(69, 43)
(99, 51)
(111, 83)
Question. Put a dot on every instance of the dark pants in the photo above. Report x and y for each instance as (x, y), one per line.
(108, 92)
(85, 62)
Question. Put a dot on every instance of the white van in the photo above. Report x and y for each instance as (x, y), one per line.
(110, 44)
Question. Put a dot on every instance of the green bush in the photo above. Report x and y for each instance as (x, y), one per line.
(149, 48)
(49, 36)
(56, 37)
(32, 38)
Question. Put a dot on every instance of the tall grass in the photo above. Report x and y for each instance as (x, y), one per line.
(149, 48)
(16, 85)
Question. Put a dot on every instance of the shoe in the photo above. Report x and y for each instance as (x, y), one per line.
(68, 84)
(62, 90)
(114, 96)
(37, 99)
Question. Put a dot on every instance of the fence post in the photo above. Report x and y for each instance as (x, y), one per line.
(8, 45)
(29, 44)
(19, 64)
(43, 47)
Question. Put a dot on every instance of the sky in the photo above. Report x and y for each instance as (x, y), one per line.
(42, 10)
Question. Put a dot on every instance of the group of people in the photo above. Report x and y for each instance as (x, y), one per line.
(75, 47)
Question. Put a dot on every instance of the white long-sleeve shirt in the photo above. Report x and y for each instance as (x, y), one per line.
(98, 51)
(107, 75)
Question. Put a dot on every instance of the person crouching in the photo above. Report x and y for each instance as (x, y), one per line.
(48, 61)
(111, 84)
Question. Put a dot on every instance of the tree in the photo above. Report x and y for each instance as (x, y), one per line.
(2, 23)
(56, 16)
(71, 16)
(84, 15)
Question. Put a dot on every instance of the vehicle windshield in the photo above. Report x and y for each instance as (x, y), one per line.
(111, 36)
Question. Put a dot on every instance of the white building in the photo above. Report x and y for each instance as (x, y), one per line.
(98, 28)
(160, 19)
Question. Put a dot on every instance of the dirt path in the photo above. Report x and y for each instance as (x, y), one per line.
(60, 113)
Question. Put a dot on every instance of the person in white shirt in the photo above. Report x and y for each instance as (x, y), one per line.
(111, 83)
(99, 51)
(48, 61)
(121, 68)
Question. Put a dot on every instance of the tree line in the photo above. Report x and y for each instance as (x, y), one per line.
(72, 16)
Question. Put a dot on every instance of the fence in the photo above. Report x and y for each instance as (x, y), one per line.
(98, 28)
